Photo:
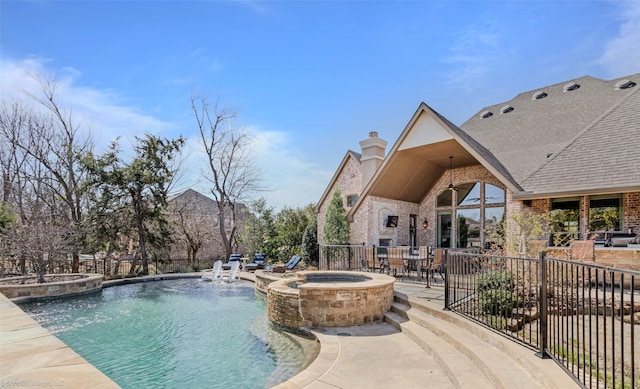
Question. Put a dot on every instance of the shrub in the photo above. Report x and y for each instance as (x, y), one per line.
(495, 280)
(498, 302)
(496, 294)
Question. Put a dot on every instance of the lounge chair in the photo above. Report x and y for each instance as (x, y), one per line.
(216, 272)
(233, 272)
(292, 263)
(232, 258)
(259, 261)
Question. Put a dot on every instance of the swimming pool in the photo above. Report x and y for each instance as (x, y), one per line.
(174, 333)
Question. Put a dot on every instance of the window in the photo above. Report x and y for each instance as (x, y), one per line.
(351, 200)
(494, 226)
(493, 194)
(469, 194)
(564, 221)
(479, 211)
(444, 199)
(604, 213)
(468, 227)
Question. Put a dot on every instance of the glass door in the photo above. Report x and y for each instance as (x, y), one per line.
(444, 230)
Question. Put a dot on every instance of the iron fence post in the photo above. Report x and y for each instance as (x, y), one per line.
(445, 259)
(544, 334)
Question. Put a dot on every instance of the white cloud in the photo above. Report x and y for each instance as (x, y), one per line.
(96, 110)
(622, 53)
(289, 178)
(473, 55)
(292, 180)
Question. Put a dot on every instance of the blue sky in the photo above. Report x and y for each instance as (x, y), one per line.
(308, 79)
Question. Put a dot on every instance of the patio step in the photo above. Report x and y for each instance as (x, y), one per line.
(470, 353)
(460, 369)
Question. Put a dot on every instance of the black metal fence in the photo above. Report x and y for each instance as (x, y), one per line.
(584, 316)
(406, 264)
(108, 267)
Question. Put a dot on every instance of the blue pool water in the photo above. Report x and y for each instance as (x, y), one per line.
(182, 333)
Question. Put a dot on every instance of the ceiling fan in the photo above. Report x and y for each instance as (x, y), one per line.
(451, 186)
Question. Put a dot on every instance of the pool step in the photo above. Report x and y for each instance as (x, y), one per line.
(473, 356)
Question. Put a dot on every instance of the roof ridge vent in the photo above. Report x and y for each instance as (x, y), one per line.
(539, 95)
(625, 84)
(486, 114)
(506, 109)
(571, 86)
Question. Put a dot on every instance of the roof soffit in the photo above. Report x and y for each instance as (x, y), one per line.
(421, 155)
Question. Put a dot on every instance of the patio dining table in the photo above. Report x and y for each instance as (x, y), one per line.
(417, 261)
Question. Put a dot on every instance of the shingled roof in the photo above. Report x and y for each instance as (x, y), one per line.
(581, 136)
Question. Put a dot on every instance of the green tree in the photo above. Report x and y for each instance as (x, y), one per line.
(523, 229)
(310, 249)
(290, 226)
(336, 224)
(463, 231)
(142, 185)
(258, 233)
(6, 217)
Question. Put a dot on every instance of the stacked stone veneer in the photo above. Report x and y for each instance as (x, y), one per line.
(83, 284)
(340, 299)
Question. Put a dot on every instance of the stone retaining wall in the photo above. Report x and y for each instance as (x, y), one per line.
(83, 284)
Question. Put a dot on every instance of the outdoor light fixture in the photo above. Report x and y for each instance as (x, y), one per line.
(451, 187)
(425, 224)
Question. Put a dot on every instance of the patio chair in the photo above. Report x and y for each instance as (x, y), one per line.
(232, 258)
(292, 263)
(437, 265)
(233, 272)
(367, 259)
(216, 272)
(259, 261)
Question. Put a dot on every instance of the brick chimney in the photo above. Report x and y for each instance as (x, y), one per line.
(373, 149)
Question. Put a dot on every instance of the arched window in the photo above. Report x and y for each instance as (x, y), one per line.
(479, 214)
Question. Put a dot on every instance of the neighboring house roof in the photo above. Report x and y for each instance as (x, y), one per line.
(194, 200)
(568, 140)
(327, 192)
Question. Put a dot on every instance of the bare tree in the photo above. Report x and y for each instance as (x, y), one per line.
(14, 120)
(234, 176)
(55, 143)
(192, 228)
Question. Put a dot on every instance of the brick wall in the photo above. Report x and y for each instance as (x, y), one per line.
(349, 181)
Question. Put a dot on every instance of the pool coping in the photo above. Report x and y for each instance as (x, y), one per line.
(32, 357)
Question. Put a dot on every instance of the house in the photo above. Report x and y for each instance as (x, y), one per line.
(194, 219)
(571, 150)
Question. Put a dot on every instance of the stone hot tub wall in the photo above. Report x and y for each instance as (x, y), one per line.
(353, 298)
(83, 283)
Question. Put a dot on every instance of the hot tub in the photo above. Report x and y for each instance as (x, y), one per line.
(329, 299)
